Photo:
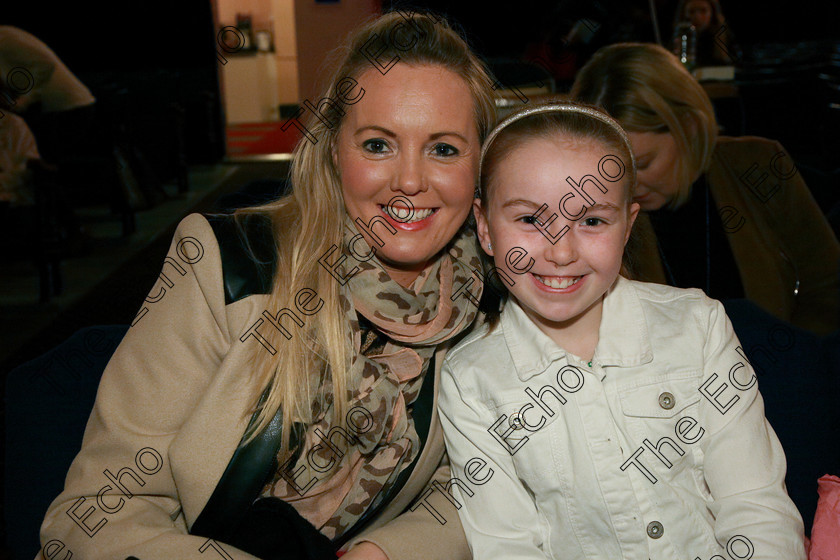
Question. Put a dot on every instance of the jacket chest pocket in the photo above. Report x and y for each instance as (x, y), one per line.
(524, 429)
(661, 419)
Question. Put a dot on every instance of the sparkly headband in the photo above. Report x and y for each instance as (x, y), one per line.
(568, 107)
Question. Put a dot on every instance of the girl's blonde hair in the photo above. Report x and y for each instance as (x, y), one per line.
(573, 121)
(308, 223)
(646, 89)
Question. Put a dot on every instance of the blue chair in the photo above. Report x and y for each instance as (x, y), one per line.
(799, 378)
(48, 402)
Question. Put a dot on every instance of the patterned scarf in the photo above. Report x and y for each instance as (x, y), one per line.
(384, 380)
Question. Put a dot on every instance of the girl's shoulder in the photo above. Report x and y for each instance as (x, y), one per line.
(654, 292)
(667, 305)
(475, 348)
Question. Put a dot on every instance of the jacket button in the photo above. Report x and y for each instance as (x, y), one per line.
(655, 529)
(666, 400)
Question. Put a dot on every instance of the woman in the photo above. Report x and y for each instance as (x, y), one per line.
(715, 41)
(318, 321)
(712, 205)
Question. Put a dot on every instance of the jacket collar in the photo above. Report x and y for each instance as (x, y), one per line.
(623, 338)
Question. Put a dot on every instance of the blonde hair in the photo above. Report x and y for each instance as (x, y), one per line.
(646, 89)
(308, 223)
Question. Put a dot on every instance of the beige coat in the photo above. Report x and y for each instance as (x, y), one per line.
(170, 410)
(780, 239)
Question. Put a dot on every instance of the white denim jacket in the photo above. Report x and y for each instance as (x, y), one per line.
(659, 450)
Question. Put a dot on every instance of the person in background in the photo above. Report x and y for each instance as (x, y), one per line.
(731, 216)
(570, 33)
(60, 111)
(715, 41)
(17, 148)
(37, 85)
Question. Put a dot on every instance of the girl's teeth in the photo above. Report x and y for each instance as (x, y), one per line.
(554, 282)
(401, 214)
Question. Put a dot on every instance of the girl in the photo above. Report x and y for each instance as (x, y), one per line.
(595, 416)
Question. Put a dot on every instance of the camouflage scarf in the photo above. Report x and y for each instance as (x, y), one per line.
(338, 481)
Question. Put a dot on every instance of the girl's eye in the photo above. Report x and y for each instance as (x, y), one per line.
(592, 222)
(529, 219)
(445, 150)
(376, 145)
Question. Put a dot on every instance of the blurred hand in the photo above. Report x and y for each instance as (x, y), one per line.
(365, 551)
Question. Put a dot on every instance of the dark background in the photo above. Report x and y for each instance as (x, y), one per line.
(138, 59)
(142, 59)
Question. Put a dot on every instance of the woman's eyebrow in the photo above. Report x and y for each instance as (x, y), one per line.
(437, 135)
(392, 134)
(384, 131)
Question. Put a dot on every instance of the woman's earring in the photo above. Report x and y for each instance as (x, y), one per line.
(489, 246)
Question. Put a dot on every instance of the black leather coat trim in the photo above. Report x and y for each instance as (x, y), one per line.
(248, 265)
(249, 259)
(244, 478)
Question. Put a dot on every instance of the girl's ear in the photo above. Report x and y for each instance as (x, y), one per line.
(481, 226)
(631, 219)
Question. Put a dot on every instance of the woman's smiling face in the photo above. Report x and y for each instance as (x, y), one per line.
(565, 284)
(412, 135)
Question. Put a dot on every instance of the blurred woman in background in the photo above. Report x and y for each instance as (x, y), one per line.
(729, 215)
(715, 41)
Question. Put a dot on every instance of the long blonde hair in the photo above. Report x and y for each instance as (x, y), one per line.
(646, 89)
(308, 223)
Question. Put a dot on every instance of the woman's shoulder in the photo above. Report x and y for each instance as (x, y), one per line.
(246, 251)
(747, 172)
(744, 148)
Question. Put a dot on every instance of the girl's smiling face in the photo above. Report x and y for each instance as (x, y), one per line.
(562, 291)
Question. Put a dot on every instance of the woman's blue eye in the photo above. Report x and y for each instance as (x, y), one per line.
(445, 150)
(376, 145)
